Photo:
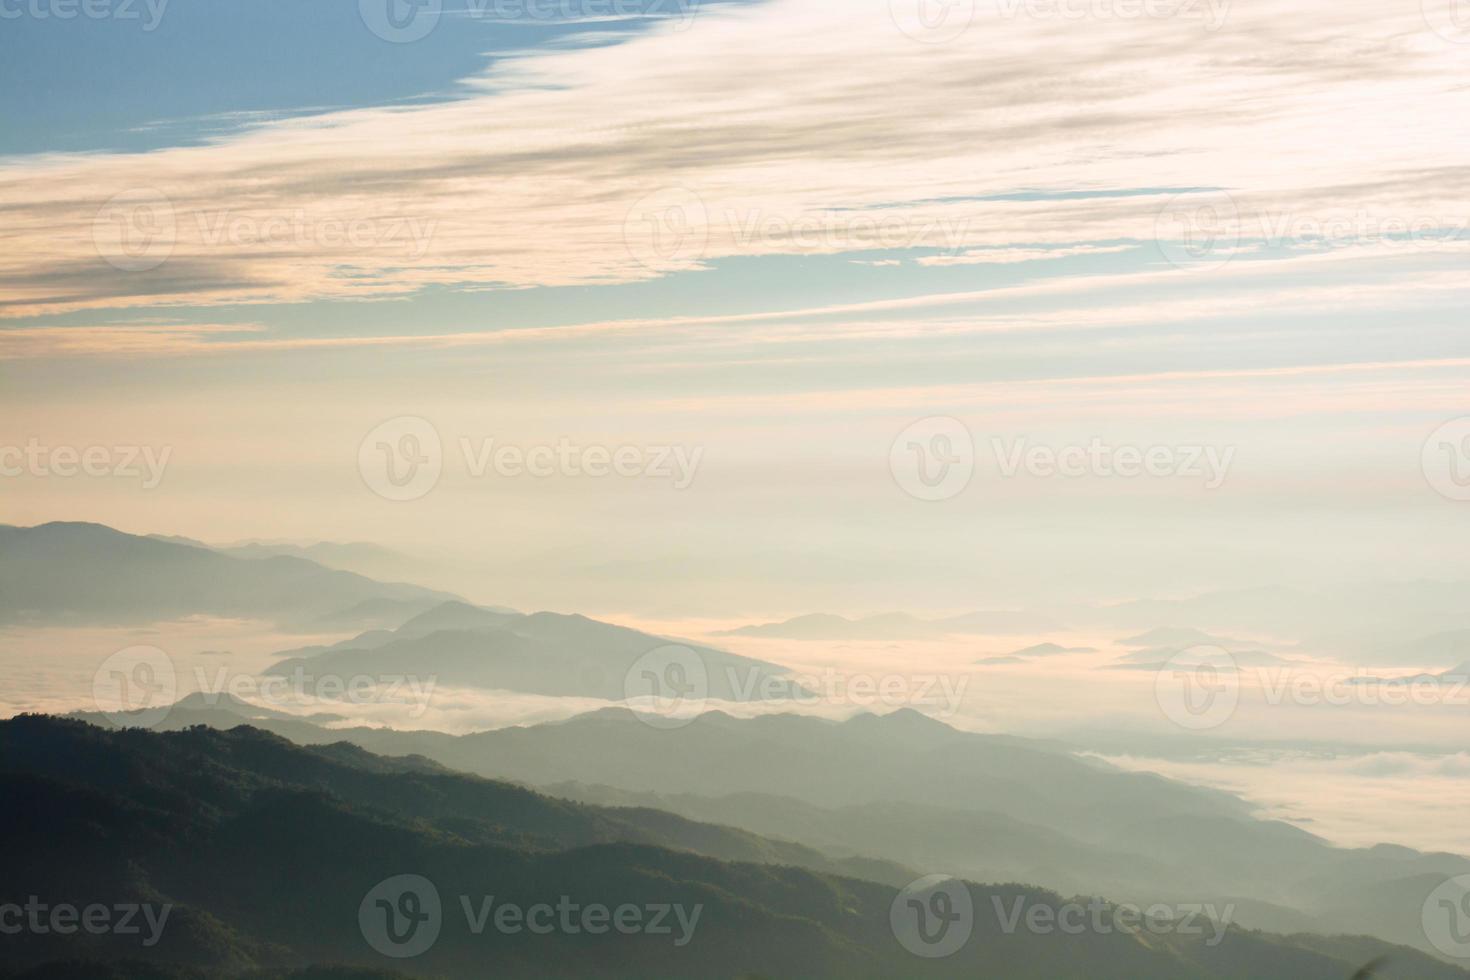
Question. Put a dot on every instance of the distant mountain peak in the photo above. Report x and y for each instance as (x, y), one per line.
(459, 615)
(905, 719)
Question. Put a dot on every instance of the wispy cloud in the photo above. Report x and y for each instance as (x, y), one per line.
(582, 166)
(1010, 256)
(1370, 279)
(116, 339)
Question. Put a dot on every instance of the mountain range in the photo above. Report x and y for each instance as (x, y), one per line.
(79, 574)
(914, 792)
(758, 817)
(545, 653)
(267, 855)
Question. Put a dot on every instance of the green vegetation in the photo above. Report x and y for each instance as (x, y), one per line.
(266, 851)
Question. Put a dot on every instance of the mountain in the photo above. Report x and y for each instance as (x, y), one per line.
(1181, 637)
(1450, 647)
(1269, 610)
(349, 556)
(1049, 650)
(545, 653)
(256, 858)
(1367, 623)
(825, 626)
(1455, 678)
(375, 613)
(259, 842)
(370, 560)
(212, 705)
(137, 970)
(456, 615)
(1154, 649)
(1032, 652)
(915, 792)
(986, 844)
(345, 555)
(1159, 658)
(88, 574)
(1358, 622)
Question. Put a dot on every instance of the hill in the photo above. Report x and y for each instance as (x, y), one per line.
(546, 653)
(263, 856)
(88, 574)
(915, 792)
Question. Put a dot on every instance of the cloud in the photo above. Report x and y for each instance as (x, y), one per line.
(1354, 799)
(789, 127)
(1378, 277)
(1009, 256)
(116, 339)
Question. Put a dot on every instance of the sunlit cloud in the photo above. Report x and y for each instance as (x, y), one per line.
(579, 167)
(1008, 256)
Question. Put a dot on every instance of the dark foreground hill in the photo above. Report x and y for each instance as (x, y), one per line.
(914, 792)
(270, 858)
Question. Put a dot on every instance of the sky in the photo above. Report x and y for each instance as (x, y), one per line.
(749, 308)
